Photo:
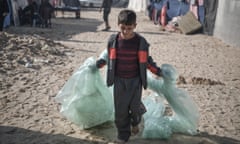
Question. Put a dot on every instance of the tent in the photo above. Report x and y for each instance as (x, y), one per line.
(138, 5)
(227, 26)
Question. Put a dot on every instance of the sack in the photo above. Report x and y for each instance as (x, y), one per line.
(185, 113)
(155, 124)
(85, 99)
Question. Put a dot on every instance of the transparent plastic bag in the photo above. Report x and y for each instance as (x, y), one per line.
(155, 124)
(85, 99)
(185, 117)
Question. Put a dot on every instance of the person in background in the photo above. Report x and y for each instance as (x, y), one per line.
(106, 6)
(29, 13)
(7, 20)
(46, 10)
(127, 58)
(4, 10)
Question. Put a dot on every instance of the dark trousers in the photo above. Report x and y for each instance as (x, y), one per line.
(1, 22)
(106, 13)
(127, 101)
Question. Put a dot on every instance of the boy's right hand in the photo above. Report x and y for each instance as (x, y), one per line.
(100, 63)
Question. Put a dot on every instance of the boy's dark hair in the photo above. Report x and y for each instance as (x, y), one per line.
(127, 17)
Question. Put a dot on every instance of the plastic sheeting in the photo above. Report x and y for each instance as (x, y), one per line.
(185, 117)
(155, 124)
(85, 99)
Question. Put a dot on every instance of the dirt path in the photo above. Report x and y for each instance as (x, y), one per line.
(29, 114)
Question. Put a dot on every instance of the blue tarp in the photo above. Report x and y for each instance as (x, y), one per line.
(177, 8)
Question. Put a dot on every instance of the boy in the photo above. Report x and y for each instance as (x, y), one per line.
(127, 59)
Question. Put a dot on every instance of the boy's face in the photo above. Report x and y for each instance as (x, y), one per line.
(127, 31)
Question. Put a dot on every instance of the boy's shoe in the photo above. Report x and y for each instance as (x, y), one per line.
(135, 130)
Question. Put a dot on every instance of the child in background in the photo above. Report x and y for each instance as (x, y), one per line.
(106, 6)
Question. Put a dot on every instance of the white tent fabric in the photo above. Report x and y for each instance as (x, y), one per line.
(16, 4)
(138, 5)
(227, 26)
(15, 12)
(22, 3)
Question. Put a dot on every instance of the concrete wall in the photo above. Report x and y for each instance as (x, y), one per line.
(227, 25)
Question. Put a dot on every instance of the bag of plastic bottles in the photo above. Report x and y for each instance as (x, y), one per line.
(85, 99)
(185, 117)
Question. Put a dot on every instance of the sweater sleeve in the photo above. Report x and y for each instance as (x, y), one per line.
(103, 58)
(152, 66)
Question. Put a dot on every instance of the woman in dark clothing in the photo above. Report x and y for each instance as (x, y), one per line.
(46, 10)
(3, 12)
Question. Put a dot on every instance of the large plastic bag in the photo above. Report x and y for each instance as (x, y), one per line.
(185, 117)
(155, 124)
(85, 99)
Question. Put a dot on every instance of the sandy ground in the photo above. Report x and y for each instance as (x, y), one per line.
(209, 70)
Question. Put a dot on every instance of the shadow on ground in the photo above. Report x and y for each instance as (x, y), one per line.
(15, 135)
(108, 131)
(62, 28)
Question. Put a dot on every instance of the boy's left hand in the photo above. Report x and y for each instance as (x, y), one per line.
(159, 72)
(100, 63)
